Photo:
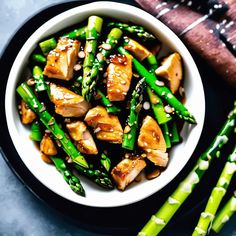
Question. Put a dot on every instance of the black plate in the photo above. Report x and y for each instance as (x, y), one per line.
(128, 219)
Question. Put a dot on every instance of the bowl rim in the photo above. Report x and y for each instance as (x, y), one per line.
(128, 9)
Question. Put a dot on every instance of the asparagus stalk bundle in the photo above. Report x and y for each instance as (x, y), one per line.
(161, 91)
(71, 179)
(225, 214)
(185, 188)
(135, 29)
(50, 123)
(93, 31)
(218, 192)
(130, 132)
(91, 80)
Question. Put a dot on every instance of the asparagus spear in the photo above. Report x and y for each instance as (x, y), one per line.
(130, 132)
(218, 192)
(39, 58)
(50, 123)
(158, 109)
(79, 34)
(48, 45)
(105, 161)
(225, 214)
(36, 134)
(167, 211)
(175, 137)
(97, 176)
(162, 91)
(40, 84)
(110, 107)
(71, 179)
(91, 80)
(93, 31)
(135, 29)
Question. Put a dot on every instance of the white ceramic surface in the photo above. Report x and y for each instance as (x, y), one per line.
(47, 174)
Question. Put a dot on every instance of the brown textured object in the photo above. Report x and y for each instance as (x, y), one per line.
(214, 40)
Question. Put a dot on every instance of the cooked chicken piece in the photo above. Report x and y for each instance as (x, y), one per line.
(84, 140)
(27, 115)
(150, 136)
(107, 127)
(158, 157)
(47, 146)
(126, 171)
(171, 69)
(46, 158)
(61, 60)
(68, 103)
(138, 50)
(119, 75)
(152, 141)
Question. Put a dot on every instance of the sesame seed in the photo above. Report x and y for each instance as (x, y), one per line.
(81, 54)
(168, 109)
(31, 82)
(159, 83)
(97, 130)
(77, 67)
(100, 56)
(146, 105)
(127, 129)
(106, 46)
(105, 75)
(129, 136)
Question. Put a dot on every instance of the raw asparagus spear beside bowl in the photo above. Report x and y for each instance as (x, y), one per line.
(94, 90)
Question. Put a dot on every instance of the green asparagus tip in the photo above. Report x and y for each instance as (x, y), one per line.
(80, 160)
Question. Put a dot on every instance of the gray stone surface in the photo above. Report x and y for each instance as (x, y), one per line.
(21, 213)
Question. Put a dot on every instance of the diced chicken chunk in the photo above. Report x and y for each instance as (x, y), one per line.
(137, 49)
(106, 126)
(126, 171)
(27, 116)
(47, 146)
(84, 140)
(61, 60)
(119, 75)
(171, 69)
(158, 157)
(152, 141)
(150, 136)
(68, 103)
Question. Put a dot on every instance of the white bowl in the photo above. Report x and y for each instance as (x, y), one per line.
(180, 154)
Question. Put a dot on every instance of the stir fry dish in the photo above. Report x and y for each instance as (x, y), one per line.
(103, 102)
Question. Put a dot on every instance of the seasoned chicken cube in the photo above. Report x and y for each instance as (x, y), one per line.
(107, 127)
(47, 146)
(158, 157)
(62, 59)
(150, 136)
(27, 115)
(126, 171)
(137, 49)
(68, 103)
(84, 140)
(119, 75)
(152, 141)
(171, 69)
